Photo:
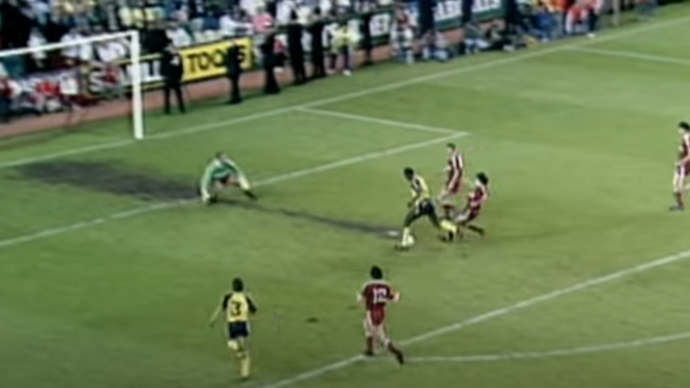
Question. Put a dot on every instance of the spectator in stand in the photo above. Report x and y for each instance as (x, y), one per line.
(41, 11)
(55, 29)
(133, 14)
(316, 29)
(262, 21)
(474, 38)
(283, 10)
(172, 70)
(576, 18)
(294, 31)
(72, 53)
(109, 14)
(435, 47)
(15, 30)
(107, 55)
(594, 9)
(543, 19)
(344, 42)
(178, 35)
(227, 24)
(403, 35)
(497, 37)
(267, 48)
(155, 37)
(38, 59)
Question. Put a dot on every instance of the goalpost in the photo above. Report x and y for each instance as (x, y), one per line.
(58, 77)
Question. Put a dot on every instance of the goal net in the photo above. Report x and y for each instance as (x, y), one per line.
(67, 84)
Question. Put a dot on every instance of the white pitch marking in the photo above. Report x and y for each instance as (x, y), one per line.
(269, 181)
(376, 120)
(476, 358)
(634, 55)
(508, 59)
(595, 282)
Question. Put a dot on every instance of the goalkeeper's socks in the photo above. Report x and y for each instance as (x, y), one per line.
(250, 195)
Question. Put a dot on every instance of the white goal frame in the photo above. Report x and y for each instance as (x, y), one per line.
(134, 56)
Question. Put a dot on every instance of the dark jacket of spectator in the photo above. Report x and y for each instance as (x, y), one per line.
(155, 40)
(317, 48)
(171, 66)
(295, 31)
(16, 26)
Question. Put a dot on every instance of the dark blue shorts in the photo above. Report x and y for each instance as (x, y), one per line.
(237, 330)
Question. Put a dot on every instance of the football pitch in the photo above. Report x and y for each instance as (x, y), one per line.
(111, 269)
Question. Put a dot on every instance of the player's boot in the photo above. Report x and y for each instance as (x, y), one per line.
(399, 355)
(250, 194)
(677, 208)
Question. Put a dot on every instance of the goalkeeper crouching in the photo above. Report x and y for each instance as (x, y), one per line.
(219, 174)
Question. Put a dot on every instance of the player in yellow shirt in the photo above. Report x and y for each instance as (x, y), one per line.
(238, 307)
(420, 206)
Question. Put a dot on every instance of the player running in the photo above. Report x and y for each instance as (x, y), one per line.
(682, 167)
(375, 295)
(422, 205)
(221, 173)
(473, 208)
(455, 171)
(238, 307)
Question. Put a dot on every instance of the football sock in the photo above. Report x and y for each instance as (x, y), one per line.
(396, 352)
(245, 366)
(448, 226)
(405, 234)
(369, 349)
(679, 199)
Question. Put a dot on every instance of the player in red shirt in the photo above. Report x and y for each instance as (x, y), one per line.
(375, 295)
(682, 167)
(475, 201)
(455, 172)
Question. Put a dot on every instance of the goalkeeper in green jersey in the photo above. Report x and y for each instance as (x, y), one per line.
(221, 173)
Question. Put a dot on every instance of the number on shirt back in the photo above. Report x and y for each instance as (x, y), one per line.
(235, 309)
(380, 295)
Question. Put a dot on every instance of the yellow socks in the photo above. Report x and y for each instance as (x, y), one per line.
(245, 366)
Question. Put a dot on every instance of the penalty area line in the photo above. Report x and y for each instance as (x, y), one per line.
(559, 353)
(49, 232)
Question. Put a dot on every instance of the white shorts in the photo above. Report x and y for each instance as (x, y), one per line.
(378, 332)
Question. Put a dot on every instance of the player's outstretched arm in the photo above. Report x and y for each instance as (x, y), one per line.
(216, 314)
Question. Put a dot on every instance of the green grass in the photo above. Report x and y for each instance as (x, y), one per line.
(580, 150)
